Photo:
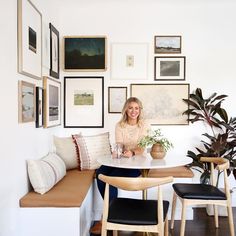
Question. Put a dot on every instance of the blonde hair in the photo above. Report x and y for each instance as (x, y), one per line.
(124, 119)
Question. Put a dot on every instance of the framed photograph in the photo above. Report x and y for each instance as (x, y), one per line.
(116, 99)
(85, 53)
(163, 103)
(129, 61)
(167, 44)
(54, 52)
(84, 102)
(169, 68)
(29, 39)
(39, 107)
(46, 45)
(26, 102)
(52, 102)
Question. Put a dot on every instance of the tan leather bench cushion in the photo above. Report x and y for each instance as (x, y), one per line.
(69, 192)
(178, 172)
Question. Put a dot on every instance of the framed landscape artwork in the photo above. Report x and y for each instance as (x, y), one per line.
(167, 44)
(54, 52)
(129, 61)
(169, 68)
(26, 102)
(84, 102)
(85, 53)
(39, 107)
(52, 102)
(163, 103)
(29, 39)
(116, 99)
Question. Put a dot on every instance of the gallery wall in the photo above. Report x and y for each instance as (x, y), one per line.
(208, 42)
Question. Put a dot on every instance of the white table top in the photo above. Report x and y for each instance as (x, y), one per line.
(145, 161)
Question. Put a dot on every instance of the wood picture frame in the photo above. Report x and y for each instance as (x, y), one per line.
(85, 53)
(163, 103)
(169, 68)
(170, 44)
(52, 102)
(39, 107)
(26, 102)
(116, 99)
(129, 61)
(84, 102)
(54, 52)
(29, 39)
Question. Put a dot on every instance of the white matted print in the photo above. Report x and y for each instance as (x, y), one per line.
(129, 61)
(29, 39)
(116, 99)
(52, 102)
(169, 68)
(83, 102)
(163, 103)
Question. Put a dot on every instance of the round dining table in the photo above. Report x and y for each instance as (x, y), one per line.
(145, 162)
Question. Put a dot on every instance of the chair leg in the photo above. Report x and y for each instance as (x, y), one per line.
(173, 210)
(115, 233)
(216, 216)
(183, 219)
(166, 229)
(231, 222)
(104, 230)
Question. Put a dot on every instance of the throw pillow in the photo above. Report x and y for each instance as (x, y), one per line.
(46, 172)
(91, 148)
(65, 149)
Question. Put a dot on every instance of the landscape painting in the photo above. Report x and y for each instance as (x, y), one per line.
(84, 97)
(85, 53)
(167, 44)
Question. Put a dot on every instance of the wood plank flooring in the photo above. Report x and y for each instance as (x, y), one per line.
(202, 225)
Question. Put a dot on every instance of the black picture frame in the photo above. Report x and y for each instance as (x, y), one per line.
(83, 98)
(54, 52)
(39, 107)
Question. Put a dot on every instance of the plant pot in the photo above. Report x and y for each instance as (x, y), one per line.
(157, 151)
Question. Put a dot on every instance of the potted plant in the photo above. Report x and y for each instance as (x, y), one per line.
(221, 140)
(160, 144)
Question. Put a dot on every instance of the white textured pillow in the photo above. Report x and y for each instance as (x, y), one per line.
(91, 148)
(65, 148)
(46, 172)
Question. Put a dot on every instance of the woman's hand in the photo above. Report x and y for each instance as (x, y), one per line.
(127, 153)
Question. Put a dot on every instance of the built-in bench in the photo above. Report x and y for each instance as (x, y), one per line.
(64, 210)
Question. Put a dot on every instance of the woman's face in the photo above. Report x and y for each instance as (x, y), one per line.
(133, 111)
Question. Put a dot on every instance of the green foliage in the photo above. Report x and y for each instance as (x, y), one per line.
(155, 137)
(222, 140)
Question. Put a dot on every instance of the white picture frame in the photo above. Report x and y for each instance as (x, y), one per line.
(84, 102)
(129, 61)
(29, 39)
(116, 99)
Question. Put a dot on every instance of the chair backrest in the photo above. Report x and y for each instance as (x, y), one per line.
(222, 165)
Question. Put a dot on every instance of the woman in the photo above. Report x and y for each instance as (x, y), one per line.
(129, 130)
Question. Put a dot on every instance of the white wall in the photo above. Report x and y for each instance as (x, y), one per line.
(207, 29)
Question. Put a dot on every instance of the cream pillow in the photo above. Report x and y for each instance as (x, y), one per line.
(46, 172)
(91, 148)
(65, 149)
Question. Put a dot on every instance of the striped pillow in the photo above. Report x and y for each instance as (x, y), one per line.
(46, 172)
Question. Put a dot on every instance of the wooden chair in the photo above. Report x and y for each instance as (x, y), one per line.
(135, 214)
(195, 194)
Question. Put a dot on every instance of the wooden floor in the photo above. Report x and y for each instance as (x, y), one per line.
(202, 225)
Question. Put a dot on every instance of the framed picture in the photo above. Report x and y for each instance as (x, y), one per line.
(84, 102)
(116, 99)
(167, 44)
(52, 102)
(29, 39)
(26, 102)
(169, 68)
(85, 53)
(46, 45)
(129, 61)
(163, 103)
(54, 51)
(39, 107)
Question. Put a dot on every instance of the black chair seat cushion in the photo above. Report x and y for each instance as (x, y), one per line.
(135, 211)
(199, 191)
